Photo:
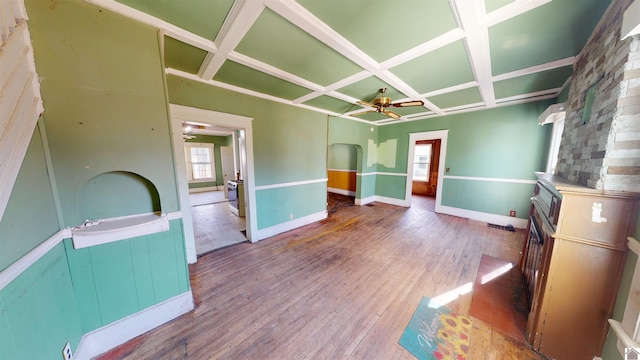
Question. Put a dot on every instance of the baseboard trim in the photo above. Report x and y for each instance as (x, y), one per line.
(341, 191)
(364, 201)
(118, 332)
(289, 225)
(382, 199)
(484, 217)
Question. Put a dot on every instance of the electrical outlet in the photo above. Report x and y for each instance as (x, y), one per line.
(291, 216)
(512, 213)
(66, 352)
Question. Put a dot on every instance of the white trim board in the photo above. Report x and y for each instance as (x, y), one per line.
(289, 225)
(289, 184)
(481, 216)
(381, 199)
(120, 331)
(341, 191)
(342, 170)
(503, 180)
(381, 173)
(14, 270)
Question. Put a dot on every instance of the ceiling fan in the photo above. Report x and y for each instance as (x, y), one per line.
(381, 103)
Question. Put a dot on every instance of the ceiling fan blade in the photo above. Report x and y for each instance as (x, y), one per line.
(408, 103)
(366, 104)
(362, 112)
(391, 114)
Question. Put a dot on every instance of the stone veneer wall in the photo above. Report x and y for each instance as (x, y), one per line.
(604, 153)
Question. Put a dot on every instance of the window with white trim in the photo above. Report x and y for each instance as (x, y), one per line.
(200, 162)
(422, 162)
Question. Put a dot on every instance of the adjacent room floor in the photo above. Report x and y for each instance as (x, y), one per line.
(214, 225)
(342, 288)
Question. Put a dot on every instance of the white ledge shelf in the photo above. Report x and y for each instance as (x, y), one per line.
(114, 229)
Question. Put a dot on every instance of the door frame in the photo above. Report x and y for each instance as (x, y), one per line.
(233, 163)
(430, 135)
(181, 113)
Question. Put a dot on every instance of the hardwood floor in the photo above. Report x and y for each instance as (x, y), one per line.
(343, 288)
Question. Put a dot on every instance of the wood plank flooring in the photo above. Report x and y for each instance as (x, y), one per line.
(343, 288)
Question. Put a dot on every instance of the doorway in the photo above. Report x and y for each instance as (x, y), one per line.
(426, 168)
(211, 170)
(237, 125)
(342, 182)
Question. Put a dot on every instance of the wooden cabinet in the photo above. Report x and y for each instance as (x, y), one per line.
(572, 263)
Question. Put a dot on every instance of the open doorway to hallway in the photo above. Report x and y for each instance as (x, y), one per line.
(212, 224)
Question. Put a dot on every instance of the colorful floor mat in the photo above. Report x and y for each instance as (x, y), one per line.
(434, 332)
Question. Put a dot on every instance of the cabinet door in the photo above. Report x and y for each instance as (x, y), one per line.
(581, 286)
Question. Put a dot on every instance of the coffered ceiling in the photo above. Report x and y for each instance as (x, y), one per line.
(326, 55)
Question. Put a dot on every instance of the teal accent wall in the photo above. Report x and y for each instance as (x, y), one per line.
(107, 129)
(472, 195)
(278, 204)
(217, 141)
(366, 186)
(504, 142)
(30, 216)
(38, 312)
(123, 277)
(391, 186)
(105, 105)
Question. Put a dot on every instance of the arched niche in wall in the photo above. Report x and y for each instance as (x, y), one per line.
(342, 167)
(117, 194)
(117, 205)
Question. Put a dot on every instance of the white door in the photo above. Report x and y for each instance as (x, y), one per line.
(228, 168)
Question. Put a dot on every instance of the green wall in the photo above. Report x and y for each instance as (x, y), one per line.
(504, 143)
(30, 216)
(38, 312)
(289, 146)
(342, 157)
(107, 132)
(123, 277)
(217, 141)
(610, 350)
(105, 105)
(364, 137)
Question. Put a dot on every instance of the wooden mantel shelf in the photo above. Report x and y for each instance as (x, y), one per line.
(109, 230)
(563, 185)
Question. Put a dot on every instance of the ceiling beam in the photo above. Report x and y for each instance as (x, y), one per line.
(170, 30)
(470, 18)
(242, 16)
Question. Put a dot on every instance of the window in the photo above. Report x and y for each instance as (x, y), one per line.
(422, 162)
(200, 164)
